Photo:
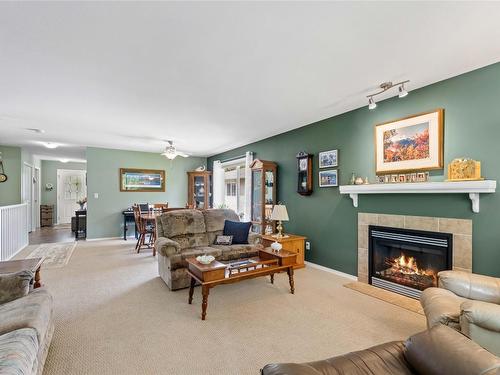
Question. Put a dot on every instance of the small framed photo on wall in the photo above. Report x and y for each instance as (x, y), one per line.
(328, 178)
(328, 159)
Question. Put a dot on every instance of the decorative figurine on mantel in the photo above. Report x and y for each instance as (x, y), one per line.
(464, 169)
(352, 181)
(359, 181)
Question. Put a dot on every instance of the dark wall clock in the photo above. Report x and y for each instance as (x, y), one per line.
(304, 168)
(3, 176)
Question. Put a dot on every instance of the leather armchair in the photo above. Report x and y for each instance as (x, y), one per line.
(468, 302)
(438, 351)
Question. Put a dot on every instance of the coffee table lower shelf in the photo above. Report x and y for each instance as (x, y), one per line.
(268, 263)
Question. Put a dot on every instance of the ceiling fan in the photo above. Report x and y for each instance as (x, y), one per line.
(171, 152)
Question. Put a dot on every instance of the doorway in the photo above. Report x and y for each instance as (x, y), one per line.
(36, 200)
(71, 187)
(27, 193)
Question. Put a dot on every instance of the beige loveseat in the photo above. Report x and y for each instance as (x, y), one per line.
(183, 234)
(26, 324)
(467, 302)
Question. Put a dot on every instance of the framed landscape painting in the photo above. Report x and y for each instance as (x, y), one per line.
(142, 180)
(410, 144)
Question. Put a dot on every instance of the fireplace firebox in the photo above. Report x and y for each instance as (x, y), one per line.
(407, 261)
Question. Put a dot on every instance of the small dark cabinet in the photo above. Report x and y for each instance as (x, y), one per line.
(304, 167)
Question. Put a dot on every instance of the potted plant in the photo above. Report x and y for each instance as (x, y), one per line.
(82, 202)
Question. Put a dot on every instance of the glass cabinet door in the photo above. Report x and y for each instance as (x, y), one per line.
(210, 195)
(263, 196)
(199, 191)
(257, 195)
(269, 200)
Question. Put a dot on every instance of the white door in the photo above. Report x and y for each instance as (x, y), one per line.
(71, 187)
(36, 200)
(27, 191)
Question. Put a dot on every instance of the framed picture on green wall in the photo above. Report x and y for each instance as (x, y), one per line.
(142, 180)
(413, 143)
(328, 178)
(328, 159)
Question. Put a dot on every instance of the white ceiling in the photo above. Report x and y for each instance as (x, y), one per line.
(213, 76)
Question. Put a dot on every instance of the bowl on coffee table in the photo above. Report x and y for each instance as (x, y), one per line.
(205, 259)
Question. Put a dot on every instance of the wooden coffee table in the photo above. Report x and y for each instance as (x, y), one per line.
(33, 265)
(267, 263)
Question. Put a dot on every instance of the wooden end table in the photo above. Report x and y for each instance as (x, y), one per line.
(33, 265)
(267, 263)
(291, 242)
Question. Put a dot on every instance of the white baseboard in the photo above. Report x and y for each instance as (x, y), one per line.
(331, 270)
(104, 238)
(18, 251)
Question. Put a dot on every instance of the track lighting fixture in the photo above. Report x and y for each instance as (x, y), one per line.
(387, 86)
(371, 104)
(402, 91)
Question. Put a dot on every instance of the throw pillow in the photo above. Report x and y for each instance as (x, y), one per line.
(14, 285)
(223, 240)
(238, 230)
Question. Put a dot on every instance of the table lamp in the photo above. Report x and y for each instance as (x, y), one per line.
(280, 214)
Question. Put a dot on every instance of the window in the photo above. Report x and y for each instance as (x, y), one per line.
(234, 180)
(231, 188)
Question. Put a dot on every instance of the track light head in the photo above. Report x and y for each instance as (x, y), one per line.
(371, 103)
(402, 91)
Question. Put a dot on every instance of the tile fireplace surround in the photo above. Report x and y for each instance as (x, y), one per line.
(461, 230)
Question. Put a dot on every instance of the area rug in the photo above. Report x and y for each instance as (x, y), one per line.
(56, 255)
(387, 296)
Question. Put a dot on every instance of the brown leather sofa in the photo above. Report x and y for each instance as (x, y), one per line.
(438, 351)
(467, 302)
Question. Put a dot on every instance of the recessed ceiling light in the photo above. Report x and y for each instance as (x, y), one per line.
(50, 145)
(36, 130)
(63, 160)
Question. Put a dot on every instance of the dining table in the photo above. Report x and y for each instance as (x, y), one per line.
(151, 216)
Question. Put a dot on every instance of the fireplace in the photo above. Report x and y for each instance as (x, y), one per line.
(407, 261)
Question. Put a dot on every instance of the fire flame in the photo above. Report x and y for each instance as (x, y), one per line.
(408, 266)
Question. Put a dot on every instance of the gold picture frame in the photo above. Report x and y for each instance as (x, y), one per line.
(142, 180)
(412, 143)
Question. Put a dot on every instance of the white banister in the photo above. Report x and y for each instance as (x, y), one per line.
(13, 230)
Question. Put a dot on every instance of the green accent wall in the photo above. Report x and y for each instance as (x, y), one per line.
(329, 220)
(104, 214)
(10, 190)
(49, 175)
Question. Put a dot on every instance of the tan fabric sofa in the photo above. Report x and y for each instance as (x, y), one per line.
(26, 325)
(467, 302)
(188, 233)
(438, 351)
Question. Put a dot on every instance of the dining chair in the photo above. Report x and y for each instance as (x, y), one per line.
(160, 206)
(144, 229)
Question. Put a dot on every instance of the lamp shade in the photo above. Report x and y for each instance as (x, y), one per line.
(279, 213)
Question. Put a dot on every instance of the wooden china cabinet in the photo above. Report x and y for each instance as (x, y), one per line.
(199, 189)
(263, 195)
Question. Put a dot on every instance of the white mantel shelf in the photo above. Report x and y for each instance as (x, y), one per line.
(472, 188)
